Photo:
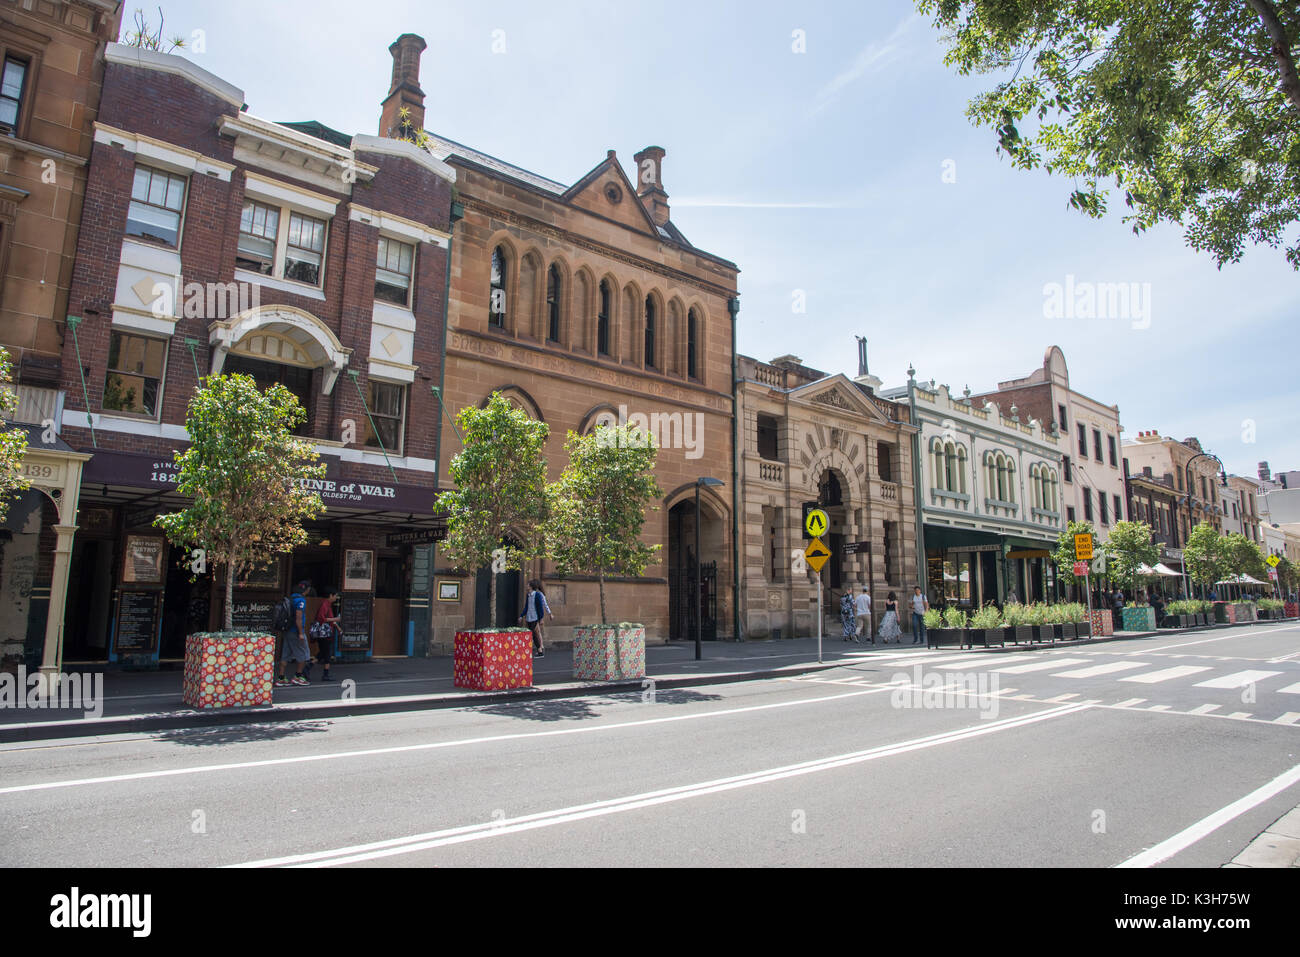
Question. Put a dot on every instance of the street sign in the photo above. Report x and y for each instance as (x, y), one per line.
(1272, 574)
(816, 523)
(1273, 560)
(1083, 547)
(1080, 569)
(816, 554)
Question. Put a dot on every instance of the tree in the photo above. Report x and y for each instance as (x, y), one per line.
(1288, 575)
(1128, 548)
(1203, 554)
(13, 444)
(246, 473)
(500, 494)
(598, 506)
(149, 38)
(1190, 107)
(1063, 557)
(1243, 557)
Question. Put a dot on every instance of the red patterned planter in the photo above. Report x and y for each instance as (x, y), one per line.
(493, 660)
(1291, 609)
(1102, 623)
(230, 669)
(608, 652)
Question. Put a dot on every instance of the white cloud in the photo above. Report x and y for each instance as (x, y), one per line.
(872, 59)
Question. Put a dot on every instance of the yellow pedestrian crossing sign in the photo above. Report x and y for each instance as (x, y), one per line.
(816, 554)
(1273, 560)
(816, 523)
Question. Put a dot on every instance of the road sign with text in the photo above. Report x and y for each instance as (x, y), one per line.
(1083, 548)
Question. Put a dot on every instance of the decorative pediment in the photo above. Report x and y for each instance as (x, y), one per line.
(606, 191)
(838, 392)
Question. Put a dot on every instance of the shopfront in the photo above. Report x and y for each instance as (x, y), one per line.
(969, 568)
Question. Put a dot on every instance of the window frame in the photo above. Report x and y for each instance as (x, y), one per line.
(554, 296)
(404, 391)
(28, 62)
(604, 298)
(651, 317)
(692, 333)
(501, 284)
(275, 240)
(156, 415)
(410, 277)
(284, 249)
(180, 214)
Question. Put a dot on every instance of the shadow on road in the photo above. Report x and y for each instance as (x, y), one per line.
(576, 709)
(242, 734)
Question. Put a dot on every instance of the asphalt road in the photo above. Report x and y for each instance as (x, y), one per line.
(1127, 751)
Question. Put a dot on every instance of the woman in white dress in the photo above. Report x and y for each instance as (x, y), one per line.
(889, 630)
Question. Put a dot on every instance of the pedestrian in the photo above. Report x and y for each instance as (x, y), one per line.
(1012, 598)
(847, 616)
(889, 630)
(919, 607)
(324, 631)
(535, 608)
(864, 614)
(294, 646)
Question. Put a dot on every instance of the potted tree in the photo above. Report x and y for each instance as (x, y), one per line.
(597, 510)
(499, 500)
(1206, 564)
(937, 631)
(1060, 622)
(243, 472)
(986, 626)
(1017, 626)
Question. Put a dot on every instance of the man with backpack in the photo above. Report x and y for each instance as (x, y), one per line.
(294, 635)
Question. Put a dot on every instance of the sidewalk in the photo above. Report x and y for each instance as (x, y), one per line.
(1279, 846)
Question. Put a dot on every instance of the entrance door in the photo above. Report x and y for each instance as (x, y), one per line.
(90, 586)
(388, 608)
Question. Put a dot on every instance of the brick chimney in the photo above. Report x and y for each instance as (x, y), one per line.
(1264, 474)
(650, 183)
(404, 92)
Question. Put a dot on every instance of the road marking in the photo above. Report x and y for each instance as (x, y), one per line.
(1238, 680)
(1130, 703)
(1204, 709)
(984, 661)
(475, 832)
(1208, 825)
(1040, 666)
(1061, 698)
(432, 745)
(1160, 707)
(1291, 717)
(1166, 674)
(1238, 714)
(1290, 689)
(1187, 644)
(1274, 661)
(1106, 669)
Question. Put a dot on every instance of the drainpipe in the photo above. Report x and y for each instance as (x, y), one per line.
(733, 307)
(921, 578)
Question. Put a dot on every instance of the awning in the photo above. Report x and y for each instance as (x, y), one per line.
(1163, 569)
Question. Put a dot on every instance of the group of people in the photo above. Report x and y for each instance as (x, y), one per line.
(294, 633)
(855, 617)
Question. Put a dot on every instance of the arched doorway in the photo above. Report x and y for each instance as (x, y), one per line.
(682, 581)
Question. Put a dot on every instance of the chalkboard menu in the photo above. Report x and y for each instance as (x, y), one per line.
(138, 613)
(253, 614)
(355, 622)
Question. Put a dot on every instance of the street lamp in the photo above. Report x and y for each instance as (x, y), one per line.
(1223, 477)
(695, 597)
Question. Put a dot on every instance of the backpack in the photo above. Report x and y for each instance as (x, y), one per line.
(282, 619)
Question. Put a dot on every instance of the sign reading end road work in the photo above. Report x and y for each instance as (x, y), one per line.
(1083, 548)
(816, 554)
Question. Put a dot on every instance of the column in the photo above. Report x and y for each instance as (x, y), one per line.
(52, 658)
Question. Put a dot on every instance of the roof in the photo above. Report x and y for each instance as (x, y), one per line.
(441, 147)
(321, 132)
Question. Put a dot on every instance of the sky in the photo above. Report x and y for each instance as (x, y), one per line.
(824, 148)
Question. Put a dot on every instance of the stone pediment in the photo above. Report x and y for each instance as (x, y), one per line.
(838, 393)
(606, 191)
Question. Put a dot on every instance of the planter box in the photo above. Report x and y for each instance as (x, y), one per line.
(938, 637)
(493, 660)
(1042, 633)
(1102, 624)
(1225, 613)
(1018, 633)
(1246, 611)
(1292, 609)
(608, 652)
(985, 636)
(1063, 632)
(1083, 629)
(1142, 618)
(230, 669)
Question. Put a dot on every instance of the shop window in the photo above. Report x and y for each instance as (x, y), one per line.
(259, 226)
(956, 580)
(393, 269)
(157, 201)
(387, 404)
(13, 86)
(133, 384)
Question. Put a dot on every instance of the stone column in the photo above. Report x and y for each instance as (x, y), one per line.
(52, 658)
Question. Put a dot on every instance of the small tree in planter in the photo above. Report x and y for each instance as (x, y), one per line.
(500, 476)
(1127, 549)
(597, 511)
(1017, 627)
(1203, 555)
(244, 472)
(933, 620)
(986, 626)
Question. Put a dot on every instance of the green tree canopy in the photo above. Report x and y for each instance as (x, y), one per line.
(1243, 557)
(1203, 555)
(13, 443)
(1128, 548)
(598, 506)
(246, 473)
(1190, 108)
(500, 497)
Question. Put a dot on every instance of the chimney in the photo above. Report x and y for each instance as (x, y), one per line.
(650, 183)
(404, 92)
(1264, 473)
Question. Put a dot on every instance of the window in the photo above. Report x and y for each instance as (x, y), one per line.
(1096, 444)
(305, 250)
(1083, 441)
(553, 304)
(649, 333)
(259, 226)
(1060, 413)
(393, 270)
(135, 372)
(767, 437)
(497, 292)
(13, 84)
(1069, 513)
(1066, 472)
(884, 462)
(1114, 458)
(602, 320)
(387, 403)
(1101, 508)
(1087, 504)
(157, 199)
(690, 344)
(1119, 513)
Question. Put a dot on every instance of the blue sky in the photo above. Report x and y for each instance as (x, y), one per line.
(821, 174)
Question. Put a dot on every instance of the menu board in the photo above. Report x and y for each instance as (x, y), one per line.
(253, 614)
(138, 613)
(355, 622)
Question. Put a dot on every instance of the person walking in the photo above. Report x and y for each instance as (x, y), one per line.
(919, 607)
(847, 616)
(889, 630)
(325, 630)
(294, 647)
(864, 614)
(535, 607)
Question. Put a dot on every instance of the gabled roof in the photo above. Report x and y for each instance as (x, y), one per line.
(586, 194)
(441, 147)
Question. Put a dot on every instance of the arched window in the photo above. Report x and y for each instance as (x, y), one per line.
(497, 293)
(602, 320)
(553, 304)
(1010, 470)
(950, 466)
(650, 333)
(937, 464)
(961, 469)
(690, 344)
(1036, 486)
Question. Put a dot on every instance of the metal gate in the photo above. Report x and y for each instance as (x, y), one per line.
(683, 585)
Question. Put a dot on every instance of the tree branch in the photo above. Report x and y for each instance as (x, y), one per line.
(1281, 49)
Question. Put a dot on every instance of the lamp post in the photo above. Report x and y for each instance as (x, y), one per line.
(695, 597)
(1223, 474)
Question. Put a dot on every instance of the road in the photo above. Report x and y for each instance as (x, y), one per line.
(1090, 756)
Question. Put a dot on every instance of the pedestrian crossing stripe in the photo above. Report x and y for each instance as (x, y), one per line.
(1106, 669)
(1238, 680)
(1166, 674)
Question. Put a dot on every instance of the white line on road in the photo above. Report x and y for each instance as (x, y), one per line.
(1204, 709)
(1238, 680)
(1187, 644)
(1290, 689)
(474, 832)
(1208, 825)
(1291, 717)
(1041, 666)
(1129, 703)
(1166, 674)
(1106, 669)
(982, 662)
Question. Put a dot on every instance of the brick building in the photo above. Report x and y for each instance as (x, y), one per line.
(215, 241)
(51, 69)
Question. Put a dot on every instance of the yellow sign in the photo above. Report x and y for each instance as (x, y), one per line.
(817, 523)
(1273, 560)
(1083, 548)
(816, 553)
